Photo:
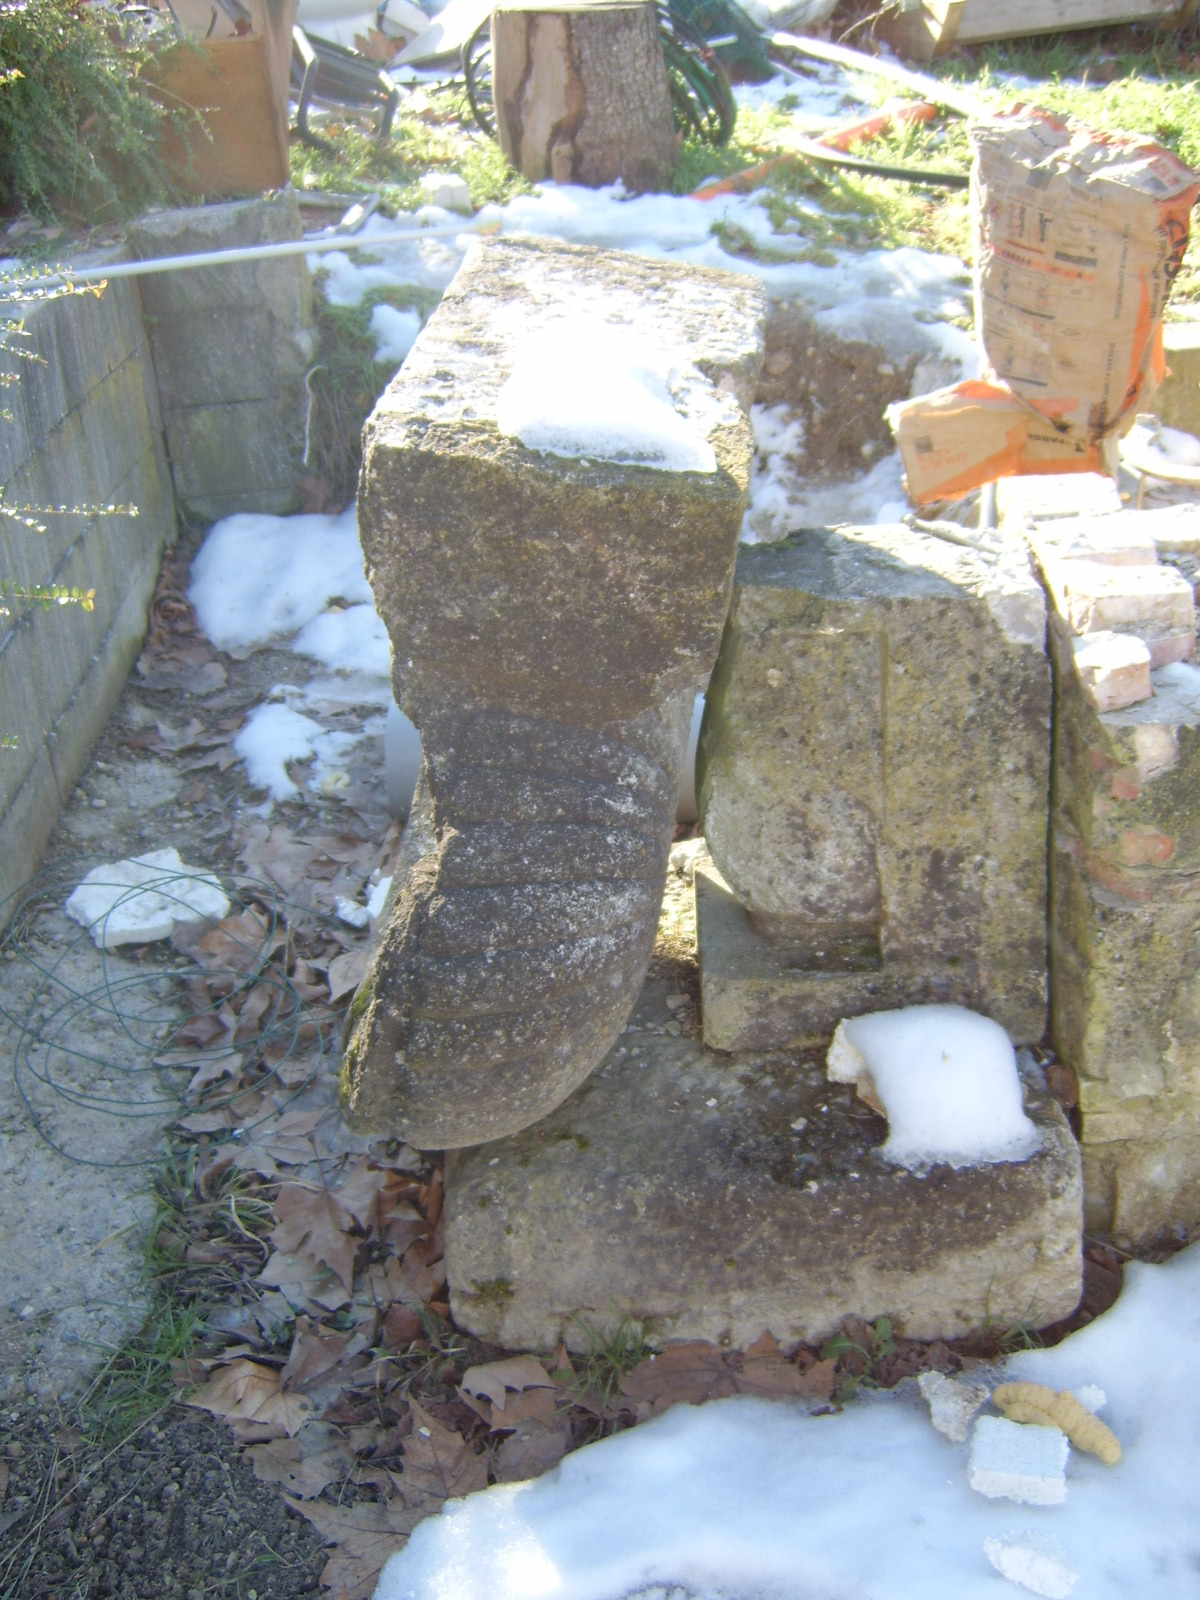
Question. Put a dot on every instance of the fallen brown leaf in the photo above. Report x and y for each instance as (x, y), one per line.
(439, 1462)
(248, 1391)
(530, 1450)
(496, 1380)
(682, 1374)
(364, 1536)
(313, 1223)
(302, 1469)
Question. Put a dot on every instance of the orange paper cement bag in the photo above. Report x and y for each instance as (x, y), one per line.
(1078, 238)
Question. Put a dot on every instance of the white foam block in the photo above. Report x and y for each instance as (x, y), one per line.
(1018, 1461)
(1035, 1561)
(139, 900)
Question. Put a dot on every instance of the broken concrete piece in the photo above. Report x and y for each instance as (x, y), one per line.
(140, 900)
(713, 1199)
(1114, 669)
(1154, 603)
(1018, 1461)
(872, 774)
(1036, 1561)
(952, 1402)
(549, 618)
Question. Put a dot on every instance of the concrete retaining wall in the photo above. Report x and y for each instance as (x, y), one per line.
(85, 430)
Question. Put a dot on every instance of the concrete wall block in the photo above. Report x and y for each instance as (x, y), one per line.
(282, 283)
(874, 765)
(227, 458)
(269, 357)
(73, 343)
(87, 431)
(231, 347)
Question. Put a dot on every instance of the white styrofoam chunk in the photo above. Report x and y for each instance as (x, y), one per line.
(1018, 1461)
(139, 900)
(589, 389)
(947, 1079)
(1034, 1560)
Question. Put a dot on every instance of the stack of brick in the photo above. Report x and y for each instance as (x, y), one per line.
(1125, 866)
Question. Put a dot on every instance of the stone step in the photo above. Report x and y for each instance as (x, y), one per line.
(714, 1197)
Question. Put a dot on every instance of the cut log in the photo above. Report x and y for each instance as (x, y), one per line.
(581, 93)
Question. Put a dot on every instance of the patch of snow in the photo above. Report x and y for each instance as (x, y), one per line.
(395, 333)
(351, 640)
(948, 1080)
(584, 388)
(257, 578)
(139, 900)
(273, 735)
(762, 1501)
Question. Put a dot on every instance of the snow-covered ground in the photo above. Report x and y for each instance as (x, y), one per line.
(757, 1500)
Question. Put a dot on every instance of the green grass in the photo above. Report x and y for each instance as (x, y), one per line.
(441, 139)
(611, 1352)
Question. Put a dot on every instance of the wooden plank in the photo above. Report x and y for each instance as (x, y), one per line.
(227, 82)
(984, 19)
(932, 27)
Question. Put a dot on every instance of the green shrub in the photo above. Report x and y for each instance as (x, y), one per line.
(78, 123)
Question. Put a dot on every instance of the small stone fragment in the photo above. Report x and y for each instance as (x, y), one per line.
(952, 1402)
(1034, 1560)
(1014, 1461)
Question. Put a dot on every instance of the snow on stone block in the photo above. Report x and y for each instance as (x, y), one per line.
(590, 389)
(139, 900)
(1114, 669)
(1018, 1461)
(946, 1079)
(1035, 1561)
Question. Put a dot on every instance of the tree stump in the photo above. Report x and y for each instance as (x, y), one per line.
(581, 93)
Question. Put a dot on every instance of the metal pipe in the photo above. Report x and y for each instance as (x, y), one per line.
(930, 88)
(251, 252)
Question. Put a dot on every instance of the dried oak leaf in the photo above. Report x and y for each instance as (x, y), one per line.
(363, 1535)
(249, 1392)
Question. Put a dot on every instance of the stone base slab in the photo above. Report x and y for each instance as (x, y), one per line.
(711, 1197)
(761, 993)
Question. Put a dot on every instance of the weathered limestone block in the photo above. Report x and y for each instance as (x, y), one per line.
(232, 345)
(581, 92)
(549, 617)
(873, 774)
(715, 1200)
(1125, 944)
